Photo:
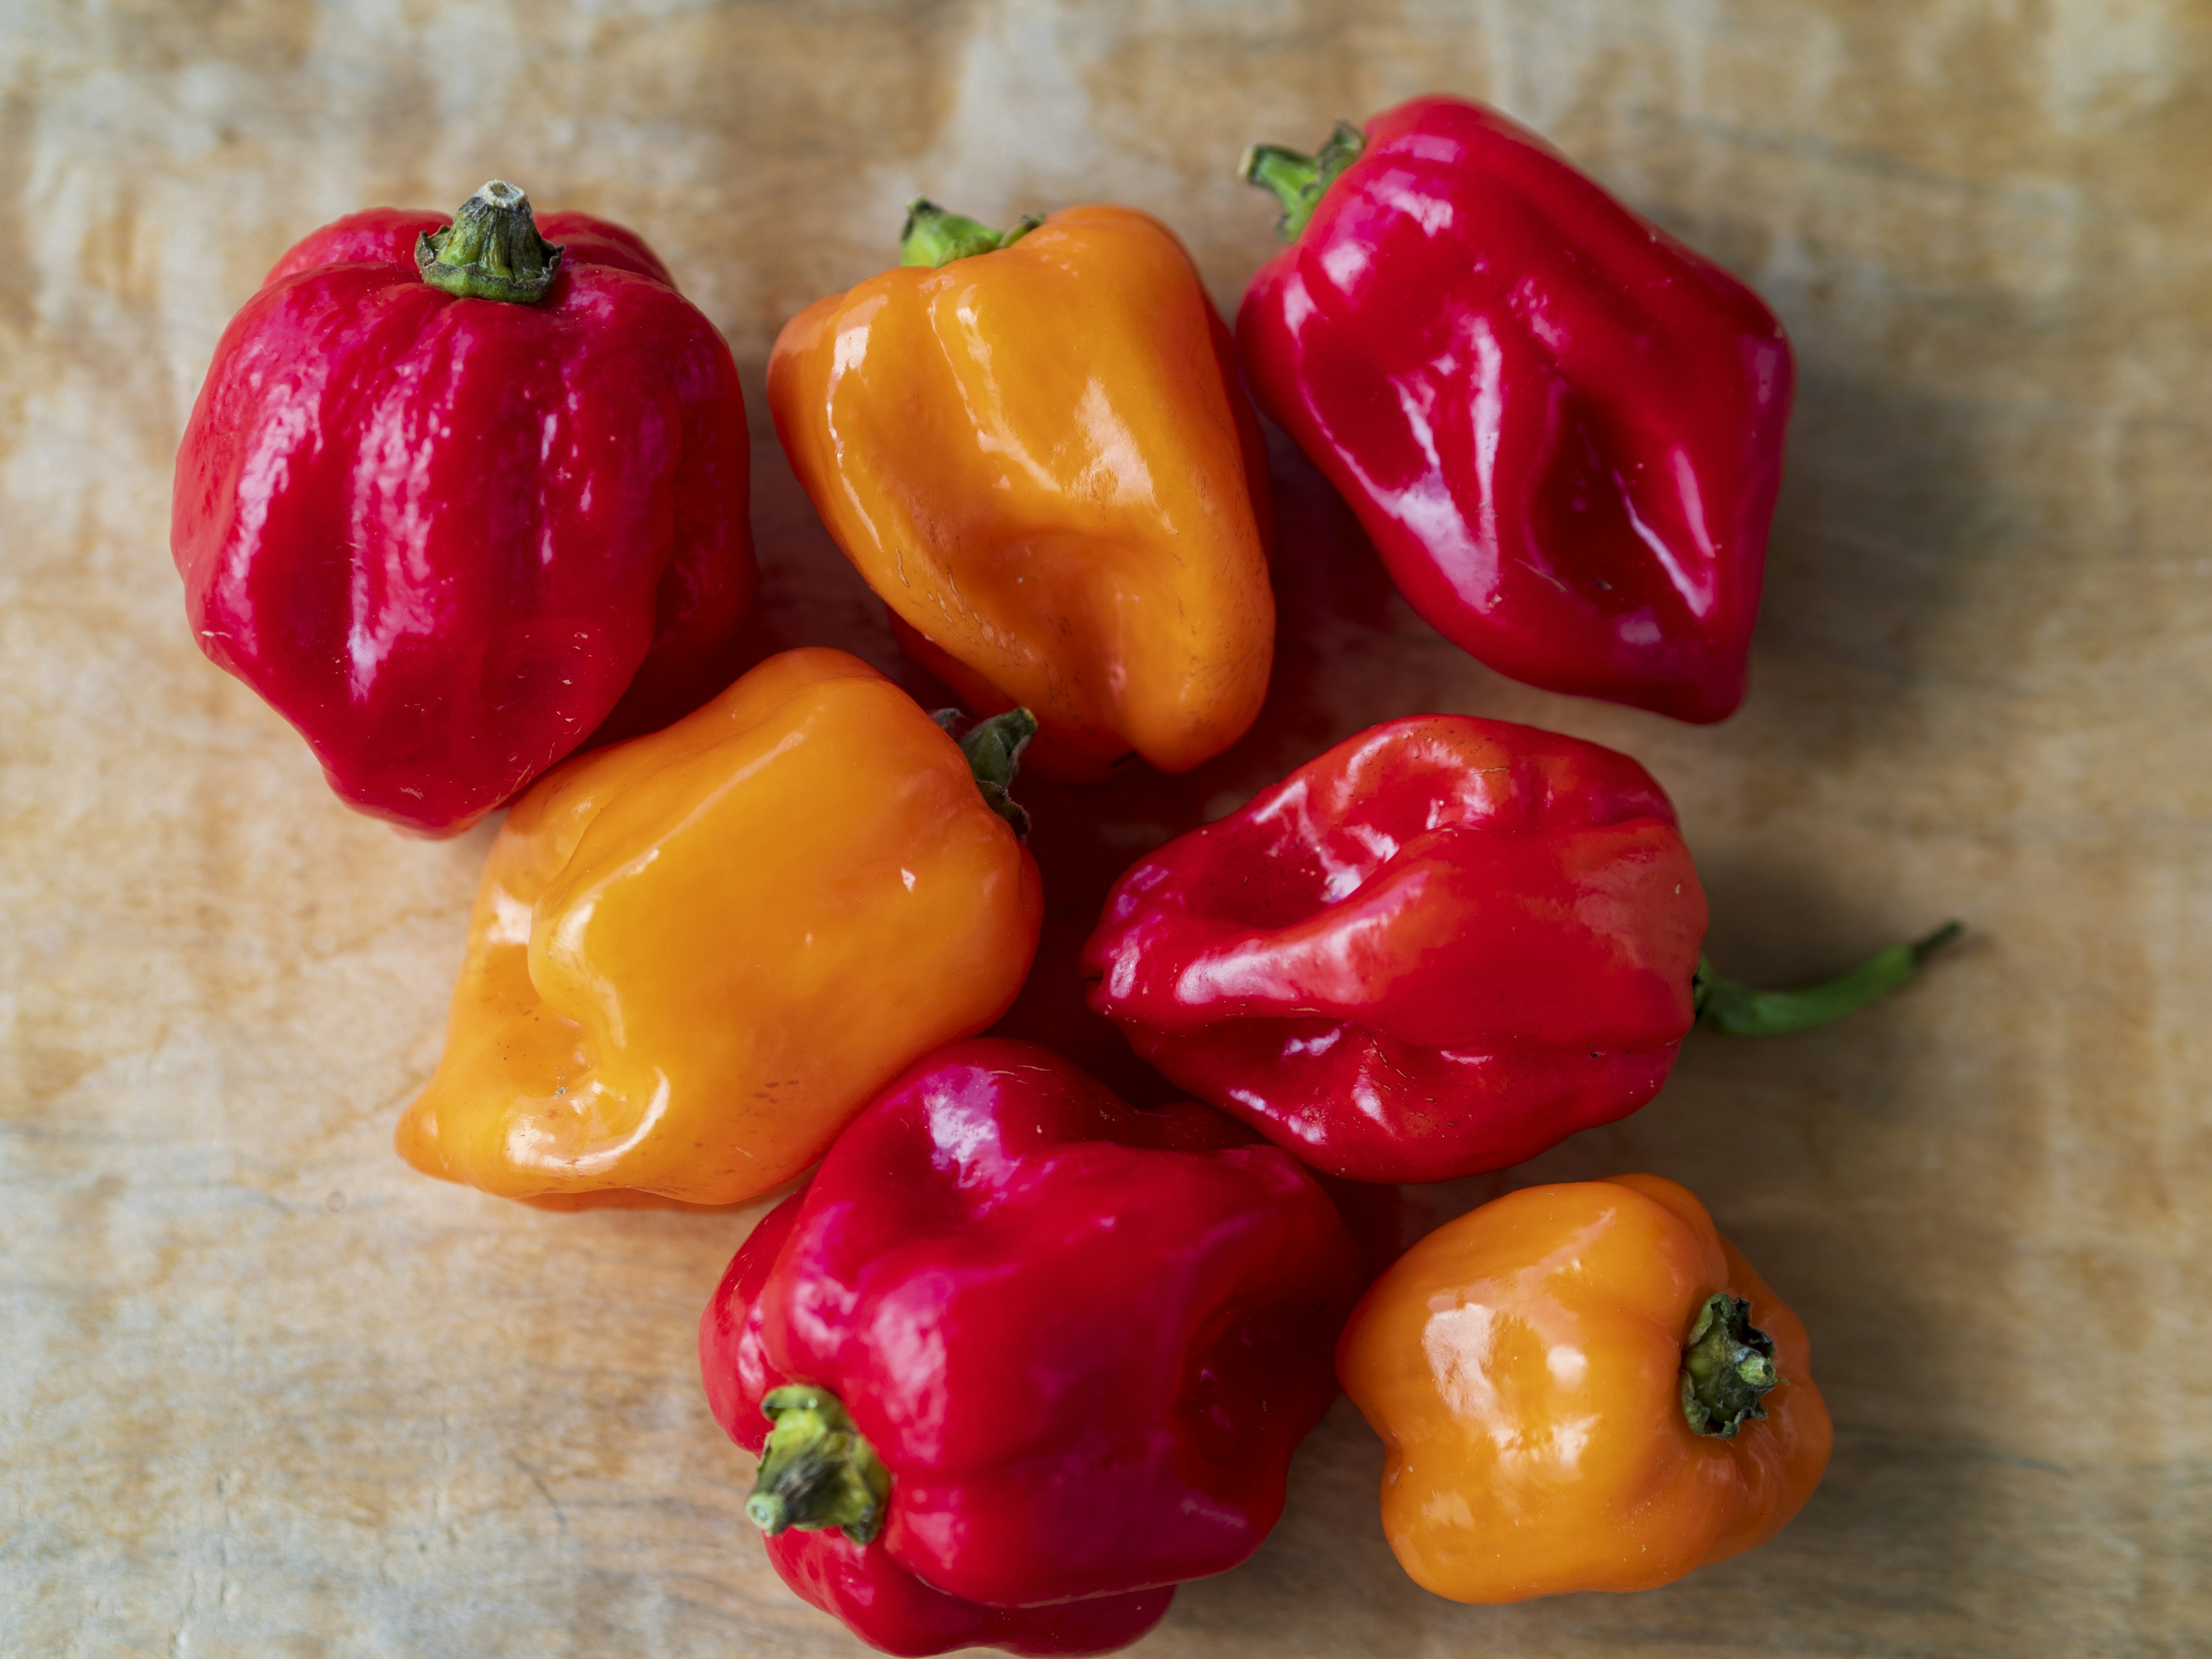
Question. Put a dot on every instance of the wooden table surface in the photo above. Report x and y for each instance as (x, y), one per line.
(265, 1391)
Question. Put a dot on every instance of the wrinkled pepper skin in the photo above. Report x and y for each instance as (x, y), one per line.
(696, 954)
(1440, 947)
(1084, 1339)
(1041, 459)
(451, 540)
(1561, 428)
(1524, 1365)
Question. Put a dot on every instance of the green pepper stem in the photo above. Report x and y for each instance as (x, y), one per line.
(492, 250)
(1727, 1005)
(1298, 180)
(1728, 1368)
(816, 1471)
(994, 748)
(931, 236)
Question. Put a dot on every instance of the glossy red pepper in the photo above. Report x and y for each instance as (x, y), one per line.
(458, 502)
(1032, 1356)
(1561, 428)
(1440, 948)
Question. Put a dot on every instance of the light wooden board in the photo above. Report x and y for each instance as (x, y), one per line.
(264, 1391)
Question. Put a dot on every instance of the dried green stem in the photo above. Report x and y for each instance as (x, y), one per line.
(492, 250)
(1728, 1368)
(994, 748)
(816, 1471)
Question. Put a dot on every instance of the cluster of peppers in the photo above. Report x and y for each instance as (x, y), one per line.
(466, 500)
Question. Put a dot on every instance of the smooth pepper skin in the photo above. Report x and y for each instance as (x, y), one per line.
(1440, 947)
(1562, 429)
(1523, 1365)
(1084, 1339)
(453, 540)
(696, 954)
(1042, 461)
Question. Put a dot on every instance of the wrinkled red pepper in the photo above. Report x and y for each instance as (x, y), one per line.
(1441, 947)
(457, 501)
(1561, 428)
(1032, 1356)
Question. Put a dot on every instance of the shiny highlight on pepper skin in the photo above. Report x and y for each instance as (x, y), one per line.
(695, 955)
(1561, 428)
(1084, 1340)
(455, 540)
(1042, 460)
(1438, 948)
(1523, 1364)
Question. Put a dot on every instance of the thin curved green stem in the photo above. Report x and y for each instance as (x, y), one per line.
(1739, 1010)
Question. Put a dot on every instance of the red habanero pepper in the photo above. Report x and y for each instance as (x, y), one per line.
(1020, 1357)
(1440, 948)
(1561, 428)
(456, 502)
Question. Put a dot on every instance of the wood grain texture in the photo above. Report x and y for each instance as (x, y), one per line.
(264, 1391)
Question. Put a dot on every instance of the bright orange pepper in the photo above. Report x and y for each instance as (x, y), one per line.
(696, 954)
(1531, 1369)
(1037, 452)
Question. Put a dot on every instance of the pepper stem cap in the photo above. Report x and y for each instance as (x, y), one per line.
(1298, 180)
(816, 1471)
(931, 236)
(492, 250)
(1728, 1368)
(994, 748)
(1730, 1006)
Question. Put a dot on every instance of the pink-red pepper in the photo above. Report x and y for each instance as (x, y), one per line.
(456, 501)
(1561, 428)
(1441, 947)
(1021, 1357)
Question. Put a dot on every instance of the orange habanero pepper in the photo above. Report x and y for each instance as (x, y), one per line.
(1581, 1387)
(1036, 449)
(696, 954)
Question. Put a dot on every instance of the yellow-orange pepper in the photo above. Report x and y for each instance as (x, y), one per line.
(1036, 449)
(696, 954)
(1576, 1389)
